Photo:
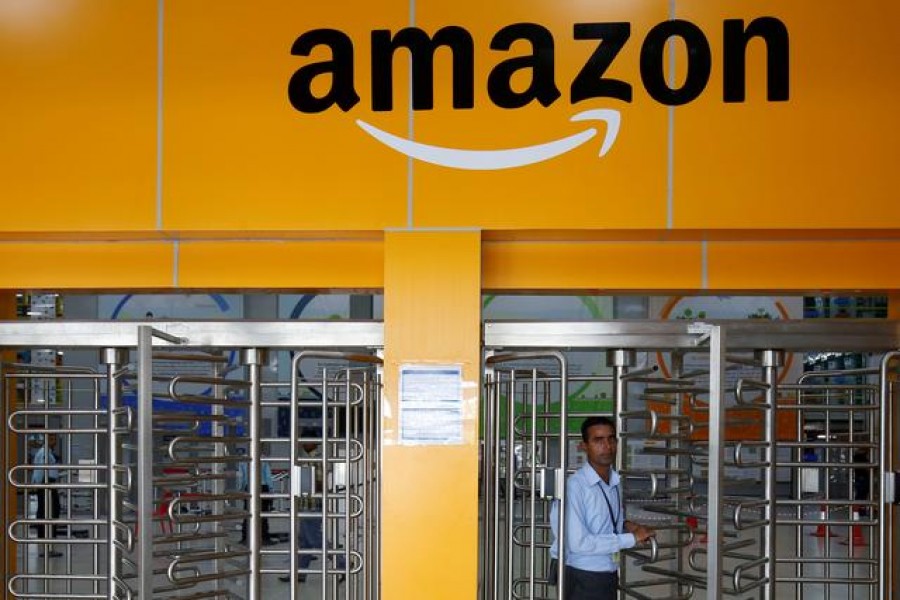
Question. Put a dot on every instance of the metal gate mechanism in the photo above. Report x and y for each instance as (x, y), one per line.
(761, 481)
(192, 460)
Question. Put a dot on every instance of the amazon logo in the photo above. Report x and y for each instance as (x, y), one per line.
(538, 68)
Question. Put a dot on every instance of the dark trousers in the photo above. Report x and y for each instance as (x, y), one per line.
(590, 585)
(311, 539)
(266, 506)
(42, 495)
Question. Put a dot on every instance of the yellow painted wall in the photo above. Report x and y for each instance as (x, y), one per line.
(432, 315)
(625, 189)
(78, 115)
(172, 119)
(339, 264)
(821, 160)
(738, 266)
(237, 156)
(86, 265)
(810, 265)
(589, 265)
(505, 265)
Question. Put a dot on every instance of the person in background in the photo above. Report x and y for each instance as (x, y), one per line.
(862, 479)
(46, 456)
(596, 527)
(267, 484)
(311, 526)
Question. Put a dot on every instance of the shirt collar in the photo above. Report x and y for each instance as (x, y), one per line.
(592, 478)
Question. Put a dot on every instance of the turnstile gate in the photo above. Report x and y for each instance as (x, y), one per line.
(758, 486)
(189, 464)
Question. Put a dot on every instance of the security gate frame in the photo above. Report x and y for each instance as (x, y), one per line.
(508, 342)
(129, 468)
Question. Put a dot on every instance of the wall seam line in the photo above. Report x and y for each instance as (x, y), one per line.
(670, 138)
(159, 113)
(410, 164)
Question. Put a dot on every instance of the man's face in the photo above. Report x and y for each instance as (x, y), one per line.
(51, 440)
(601, 445)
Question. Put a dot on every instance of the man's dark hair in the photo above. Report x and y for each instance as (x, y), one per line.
(591, 421)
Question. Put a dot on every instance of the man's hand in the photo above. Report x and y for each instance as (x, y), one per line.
(642, 533)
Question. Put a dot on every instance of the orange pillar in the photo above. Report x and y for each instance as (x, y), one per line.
(432, 316)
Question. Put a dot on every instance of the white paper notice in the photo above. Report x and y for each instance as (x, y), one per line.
(430, 404)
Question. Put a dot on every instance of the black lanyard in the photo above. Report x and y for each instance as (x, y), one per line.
(613, 516)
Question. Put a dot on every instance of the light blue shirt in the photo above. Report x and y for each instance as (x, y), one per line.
(44, 456)
(265, 476)
(591, 538)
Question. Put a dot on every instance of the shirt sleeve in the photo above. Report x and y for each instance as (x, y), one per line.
(242, 476)
(37, 475)
(554, 520)
(580, 539)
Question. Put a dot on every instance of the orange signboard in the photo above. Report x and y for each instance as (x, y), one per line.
(824, 159)
(225, 116)
(78, 115)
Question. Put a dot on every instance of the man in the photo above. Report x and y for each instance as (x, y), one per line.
(596, 528)
(41, 476)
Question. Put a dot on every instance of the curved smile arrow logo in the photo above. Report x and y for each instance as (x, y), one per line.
(491, 160)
